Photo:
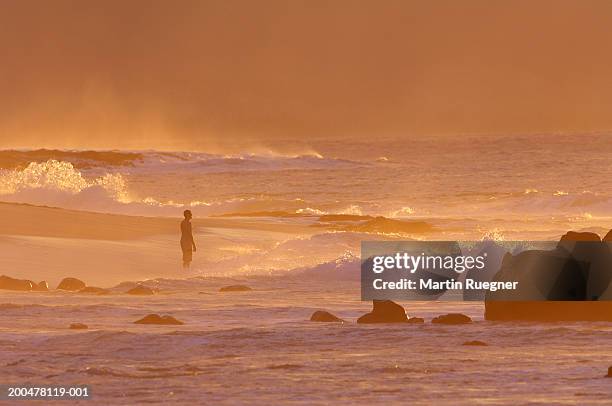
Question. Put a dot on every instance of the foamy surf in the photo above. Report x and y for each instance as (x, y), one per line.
(157, 183)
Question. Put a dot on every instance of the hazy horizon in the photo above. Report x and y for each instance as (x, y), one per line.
(232, 75)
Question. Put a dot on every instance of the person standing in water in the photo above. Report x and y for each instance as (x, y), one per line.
(187, 243)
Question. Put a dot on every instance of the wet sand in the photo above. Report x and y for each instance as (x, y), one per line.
(44, 243)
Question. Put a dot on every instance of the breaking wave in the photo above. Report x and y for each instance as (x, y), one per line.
(61, 184)
(100, 181)
(127, 182)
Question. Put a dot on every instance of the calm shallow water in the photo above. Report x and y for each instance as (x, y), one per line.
(258, 348)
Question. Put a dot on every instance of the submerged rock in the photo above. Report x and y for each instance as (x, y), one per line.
(416, 320)
(71, 284)
(475, 343)
(157, 319)
(609, 372)
(384, 311)
(95, 290)
(452, 318)
(8, 283)
(321, 315)
(78, 326)
(141, 290)
(235, 288)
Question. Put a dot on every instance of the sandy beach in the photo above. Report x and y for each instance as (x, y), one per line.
(44, 243)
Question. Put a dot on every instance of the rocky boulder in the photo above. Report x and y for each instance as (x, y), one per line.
(323, 316)
(608, 237)
(78, 326)
(541, 275)
(452, 318)
(384, 311)
(596, 256)
(579, 236)
(416, 320)
(157, 319)
(71, 284)
(572, 282)
(8, 283)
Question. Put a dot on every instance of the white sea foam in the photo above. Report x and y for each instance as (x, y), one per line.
(105, 182)
(60, 184)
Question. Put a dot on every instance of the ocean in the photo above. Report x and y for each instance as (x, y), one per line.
(259, 348)
(523, 186)
(290, 227)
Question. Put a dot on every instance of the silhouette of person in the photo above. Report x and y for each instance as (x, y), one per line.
(187, 244)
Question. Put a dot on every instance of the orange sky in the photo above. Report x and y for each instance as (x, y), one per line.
(230, 73)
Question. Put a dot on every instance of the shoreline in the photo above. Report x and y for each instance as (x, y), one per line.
(22, 219)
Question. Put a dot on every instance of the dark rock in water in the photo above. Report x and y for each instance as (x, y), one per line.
(78, 326)
(8, 283)
(416, 320)
(324, 316)
(609, 372)
(235, 288)
(384, 311)
(452, 318)
(541, 275)
(43, 286)
(157, 319)
(579, 236)
(572, 282)
(140, 290)
(72, 284)
(95, 290)
(608, 237)
(597, 259)
(35, 287)
(475, 343)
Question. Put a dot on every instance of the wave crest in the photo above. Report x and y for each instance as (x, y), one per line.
(58, 183)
